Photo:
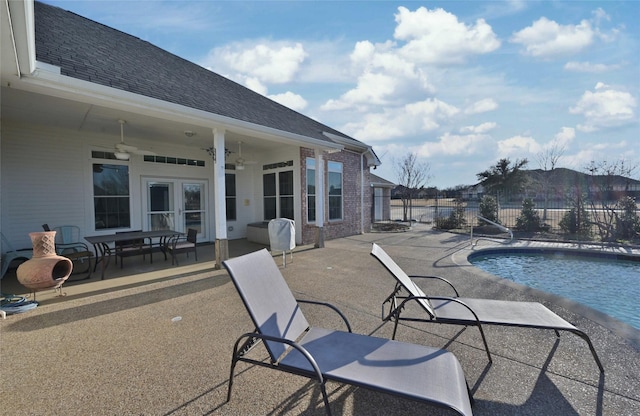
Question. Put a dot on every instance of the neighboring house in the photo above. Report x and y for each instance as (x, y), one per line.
(381, 206)
(474, 192)
(556, 184)
(195, 149)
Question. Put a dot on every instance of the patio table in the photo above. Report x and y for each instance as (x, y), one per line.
(104, 251)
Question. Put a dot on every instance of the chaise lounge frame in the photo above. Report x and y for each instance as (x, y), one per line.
(416, 372)
(467, 311)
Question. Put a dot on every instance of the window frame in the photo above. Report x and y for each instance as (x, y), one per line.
(274, 202)
(231, 197)
(334, 168)
(110, 198)
(311, 197)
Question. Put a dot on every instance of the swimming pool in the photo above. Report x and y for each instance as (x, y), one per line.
(603, 282)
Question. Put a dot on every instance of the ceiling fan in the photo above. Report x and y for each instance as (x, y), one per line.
(240, 161)
(123, 150)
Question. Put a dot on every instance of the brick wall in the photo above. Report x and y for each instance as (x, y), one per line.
(353, 206)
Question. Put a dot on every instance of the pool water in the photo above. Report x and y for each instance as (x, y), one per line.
(609, 285)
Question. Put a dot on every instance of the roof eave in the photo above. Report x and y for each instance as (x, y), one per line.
(352, 144)
(47, 80)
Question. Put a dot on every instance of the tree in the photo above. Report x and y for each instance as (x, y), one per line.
(605, 191)
(504, 177)
(547, 160)
(412, 176)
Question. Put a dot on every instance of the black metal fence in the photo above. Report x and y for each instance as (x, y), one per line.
(551, 212)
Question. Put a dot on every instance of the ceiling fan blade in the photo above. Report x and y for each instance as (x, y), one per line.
(144, 152)
(123, 147)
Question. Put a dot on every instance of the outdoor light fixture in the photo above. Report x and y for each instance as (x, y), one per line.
(121, 155)
(189, 133)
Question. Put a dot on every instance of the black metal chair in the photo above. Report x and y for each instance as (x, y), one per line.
(182, 244)
(132, 247)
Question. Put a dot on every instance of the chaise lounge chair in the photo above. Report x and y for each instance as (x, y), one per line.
(416, 372)
(468, 311)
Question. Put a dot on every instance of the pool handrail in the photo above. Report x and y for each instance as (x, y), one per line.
(495, 224)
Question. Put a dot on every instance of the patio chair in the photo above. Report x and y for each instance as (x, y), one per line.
(69, 244)
(410, 371)
(9, 254)
(132, 247)
(468, 311)
(182, 244)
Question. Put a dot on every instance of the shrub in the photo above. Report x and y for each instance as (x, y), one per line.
(529, 220)
(572, 223)
(627, 221)
(455, 220)
(489, 208)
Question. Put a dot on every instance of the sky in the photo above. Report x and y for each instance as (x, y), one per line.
(460, 84)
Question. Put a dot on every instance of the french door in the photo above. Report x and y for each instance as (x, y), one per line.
(175, 204)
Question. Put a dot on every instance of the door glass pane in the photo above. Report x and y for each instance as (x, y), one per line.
(192, 197)
(160, 198)
(193, 206)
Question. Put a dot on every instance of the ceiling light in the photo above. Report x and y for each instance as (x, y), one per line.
(121, 155)
(189, 133)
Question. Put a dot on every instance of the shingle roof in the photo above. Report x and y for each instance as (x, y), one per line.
(377, 180)
(90, 51)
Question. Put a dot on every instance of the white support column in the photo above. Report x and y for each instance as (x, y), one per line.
(320, 193)
(220, 207)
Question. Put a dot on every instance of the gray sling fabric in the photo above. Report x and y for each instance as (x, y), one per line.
(407, 370)
(488, 311)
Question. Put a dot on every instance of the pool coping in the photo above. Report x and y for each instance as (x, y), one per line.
(622, 329)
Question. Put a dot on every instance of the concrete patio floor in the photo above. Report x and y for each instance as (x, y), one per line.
(158, 340)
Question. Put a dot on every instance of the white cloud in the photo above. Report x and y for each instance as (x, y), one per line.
(291, 100)
(372, 89)
(276, 62)
(454, 145)
(563, 137)
(255, 85)
(482, 106)
(518, 145)
(546, 38)
(384, 78)
(409, 120)
(480, 129)
(437, 37)
(604, 107)
(589, 67)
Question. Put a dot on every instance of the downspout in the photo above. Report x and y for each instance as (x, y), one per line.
(362, 193)
(13, 39)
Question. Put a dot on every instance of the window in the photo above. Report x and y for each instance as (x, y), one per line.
(269, 193)
(230, 194)
(111, 196)
(285, 189)
(335, 190)
(278, 195)
(311, 190)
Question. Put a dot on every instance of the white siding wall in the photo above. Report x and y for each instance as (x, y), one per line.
(42, 181)
(46, 177)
